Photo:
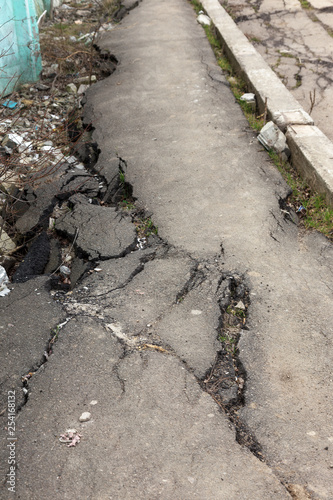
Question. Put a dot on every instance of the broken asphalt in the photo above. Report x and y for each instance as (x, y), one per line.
(142, 339)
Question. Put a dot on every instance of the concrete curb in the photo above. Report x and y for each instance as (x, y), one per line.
(311, 150)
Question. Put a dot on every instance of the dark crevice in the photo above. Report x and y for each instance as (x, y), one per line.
(38, 365)
(226, 380)
(197, 276)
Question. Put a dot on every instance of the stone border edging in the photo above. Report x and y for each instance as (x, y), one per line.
(311, 150)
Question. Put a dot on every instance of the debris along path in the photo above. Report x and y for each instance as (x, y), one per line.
(140, 346)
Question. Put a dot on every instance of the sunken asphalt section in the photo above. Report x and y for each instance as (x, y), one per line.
(311, 150)
(137, 343)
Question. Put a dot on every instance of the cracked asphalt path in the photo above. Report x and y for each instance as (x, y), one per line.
(141, 339)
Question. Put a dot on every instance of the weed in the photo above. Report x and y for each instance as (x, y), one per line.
(298, 79)
(145, 227)
(305, 4)
(237, 85)
(317, 214)
(127, 205)
(121, 177)
(197, 6)
(253, 38)
(229, 342)
(108, 7)
(236, 312)
(286, 54)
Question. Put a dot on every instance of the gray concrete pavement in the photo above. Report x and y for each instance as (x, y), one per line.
(144, 332)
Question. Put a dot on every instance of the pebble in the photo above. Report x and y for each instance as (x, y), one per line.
(71, 88)
(83, 88)
(85, 416)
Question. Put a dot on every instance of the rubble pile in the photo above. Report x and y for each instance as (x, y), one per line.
(45, 152)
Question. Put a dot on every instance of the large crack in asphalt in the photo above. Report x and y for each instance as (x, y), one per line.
(225, 379)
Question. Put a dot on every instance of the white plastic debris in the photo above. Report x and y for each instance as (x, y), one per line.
(249, 98)
(70, 159)
(203, 20)
(142, 243)
(4, 290)
(271, 137)
(65, 271)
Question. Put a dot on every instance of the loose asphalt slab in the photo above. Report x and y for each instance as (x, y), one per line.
(142, 333)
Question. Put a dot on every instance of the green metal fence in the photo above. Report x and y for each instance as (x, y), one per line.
(20, 60)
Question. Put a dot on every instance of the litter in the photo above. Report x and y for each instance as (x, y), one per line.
(71, 437)
(10, 104)
(4, 290)
(271, 137)
(250, 99)
(65, 271)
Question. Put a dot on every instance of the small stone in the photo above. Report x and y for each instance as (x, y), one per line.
(232, 80)
(71, 88)
(271, 137)
(85, 416)
(203, 20)
(41, 86)
(83, 13)
(87, 79)
(6, 243)
(27, 103)
(50, 71)
(240, 305)
(93, 402)
(82, 89)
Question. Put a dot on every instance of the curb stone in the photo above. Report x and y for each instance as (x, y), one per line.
(311, 150)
